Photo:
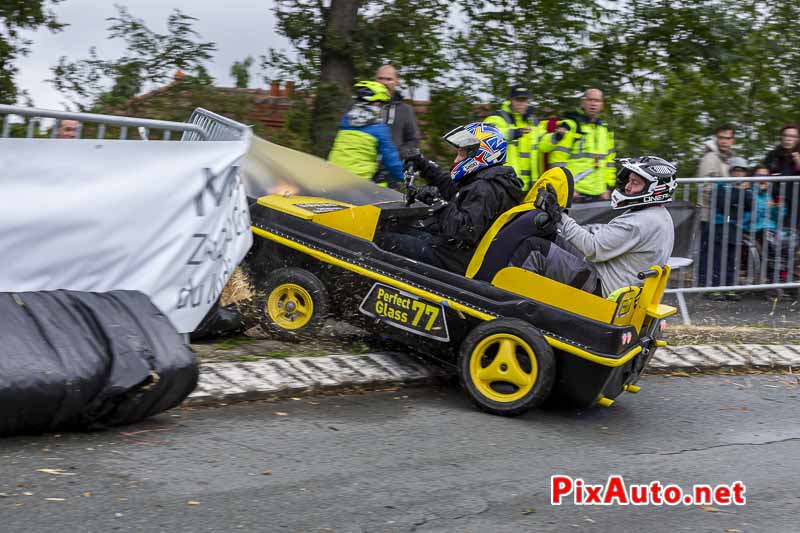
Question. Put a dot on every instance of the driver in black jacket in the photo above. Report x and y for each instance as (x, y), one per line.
(474, 193)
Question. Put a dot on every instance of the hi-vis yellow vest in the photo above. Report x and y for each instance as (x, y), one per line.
(521, 152)
(587, 150)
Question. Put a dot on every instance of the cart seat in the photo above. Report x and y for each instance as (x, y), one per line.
(515, 225)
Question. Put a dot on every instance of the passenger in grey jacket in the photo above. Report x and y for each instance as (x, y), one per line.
(602, 258)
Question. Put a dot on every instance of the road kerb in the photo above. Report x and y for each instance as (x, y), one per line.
(269, 378)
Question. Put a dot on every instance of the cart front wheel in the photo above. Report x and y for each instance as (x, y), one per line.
(506, 366)
(294, 304)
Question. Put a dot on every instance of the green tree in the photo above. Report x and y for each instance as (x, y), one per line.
(149, 58)
(240, 70)
(673, 76)
(682, 67)
(537, 42)
(16, 16)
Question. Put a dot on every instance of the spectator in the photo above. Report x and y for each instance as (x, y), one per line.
(583, 144)
(784, 160)
(766, 211)
(362, 136)
(714, 164)
(727, 229)
(761, 230)
(516, 121)
(68, 129)
(398, 115)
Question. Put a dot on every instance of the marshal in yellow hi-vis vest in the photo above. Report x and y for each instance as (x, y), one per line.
(521, 152)
(586, 149)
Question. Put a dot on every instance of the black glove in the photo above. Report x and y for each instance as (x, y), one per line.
(406, 153)
(428, 194)
(558, 135)
(547, 203)
(417, 160)
(516, 133)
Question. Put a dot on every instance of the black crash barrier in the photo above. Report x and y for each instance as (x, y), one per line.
(220, 321)
(81, 360)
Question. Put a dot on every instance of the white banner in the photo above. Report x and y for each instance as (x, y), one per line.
(168, 219)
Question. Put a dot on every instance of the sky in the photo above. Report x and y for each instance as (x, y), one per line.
(238, 27)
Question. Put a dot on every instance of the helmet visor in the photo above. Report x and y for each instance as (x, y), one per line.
(460, 137)
(622, 178)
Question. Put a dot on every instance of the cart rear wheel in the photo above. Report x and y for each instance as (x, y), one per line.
(506, 366)
(294, 304)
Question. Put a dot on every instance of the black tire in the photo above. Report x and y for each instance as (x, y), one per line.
(292, 304)
(528, 363)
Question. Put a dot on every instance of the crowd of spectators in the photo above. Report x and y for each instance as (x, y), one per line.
(748, 227)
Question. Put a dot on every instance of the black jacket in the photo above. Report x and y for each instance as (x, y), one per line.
(403, 122)
(780, 161)
(473, 204)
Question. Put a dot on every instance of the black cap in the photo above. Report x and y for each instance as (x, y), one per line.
(520, 91)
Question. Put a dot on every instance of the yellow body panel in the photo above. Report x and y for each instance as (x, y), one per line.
(626, 299)
(360, 221)
(551, 292)
(602, 401)
(326, 258)
(660, 311)
(646, 297)
(291, 204)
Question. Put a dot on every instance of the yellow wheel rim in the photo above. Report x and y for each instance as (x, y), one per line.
(290, 306)
(503, 367)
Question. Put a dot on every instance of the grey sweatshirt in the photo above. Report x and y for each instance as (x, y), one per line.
(632, 242)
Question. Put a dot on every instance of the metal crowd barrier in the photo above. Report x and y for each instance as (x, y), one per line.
(746, 236)
(202, 125)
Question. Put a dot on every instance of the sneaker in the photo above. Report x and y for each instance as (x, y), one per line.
(714, 296)
(733, 296)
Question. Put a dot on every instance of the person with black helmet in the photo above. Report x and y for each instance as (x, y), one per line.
(602, 258)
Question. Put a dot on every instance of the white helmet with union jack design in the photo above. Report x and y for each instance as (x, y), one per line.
(659, 177)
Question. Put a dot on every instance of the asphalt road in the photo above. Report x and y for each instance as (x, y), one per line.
(415, 459)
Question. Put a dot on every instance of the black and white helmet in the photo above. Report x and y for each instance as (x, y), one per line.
(659, 177)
